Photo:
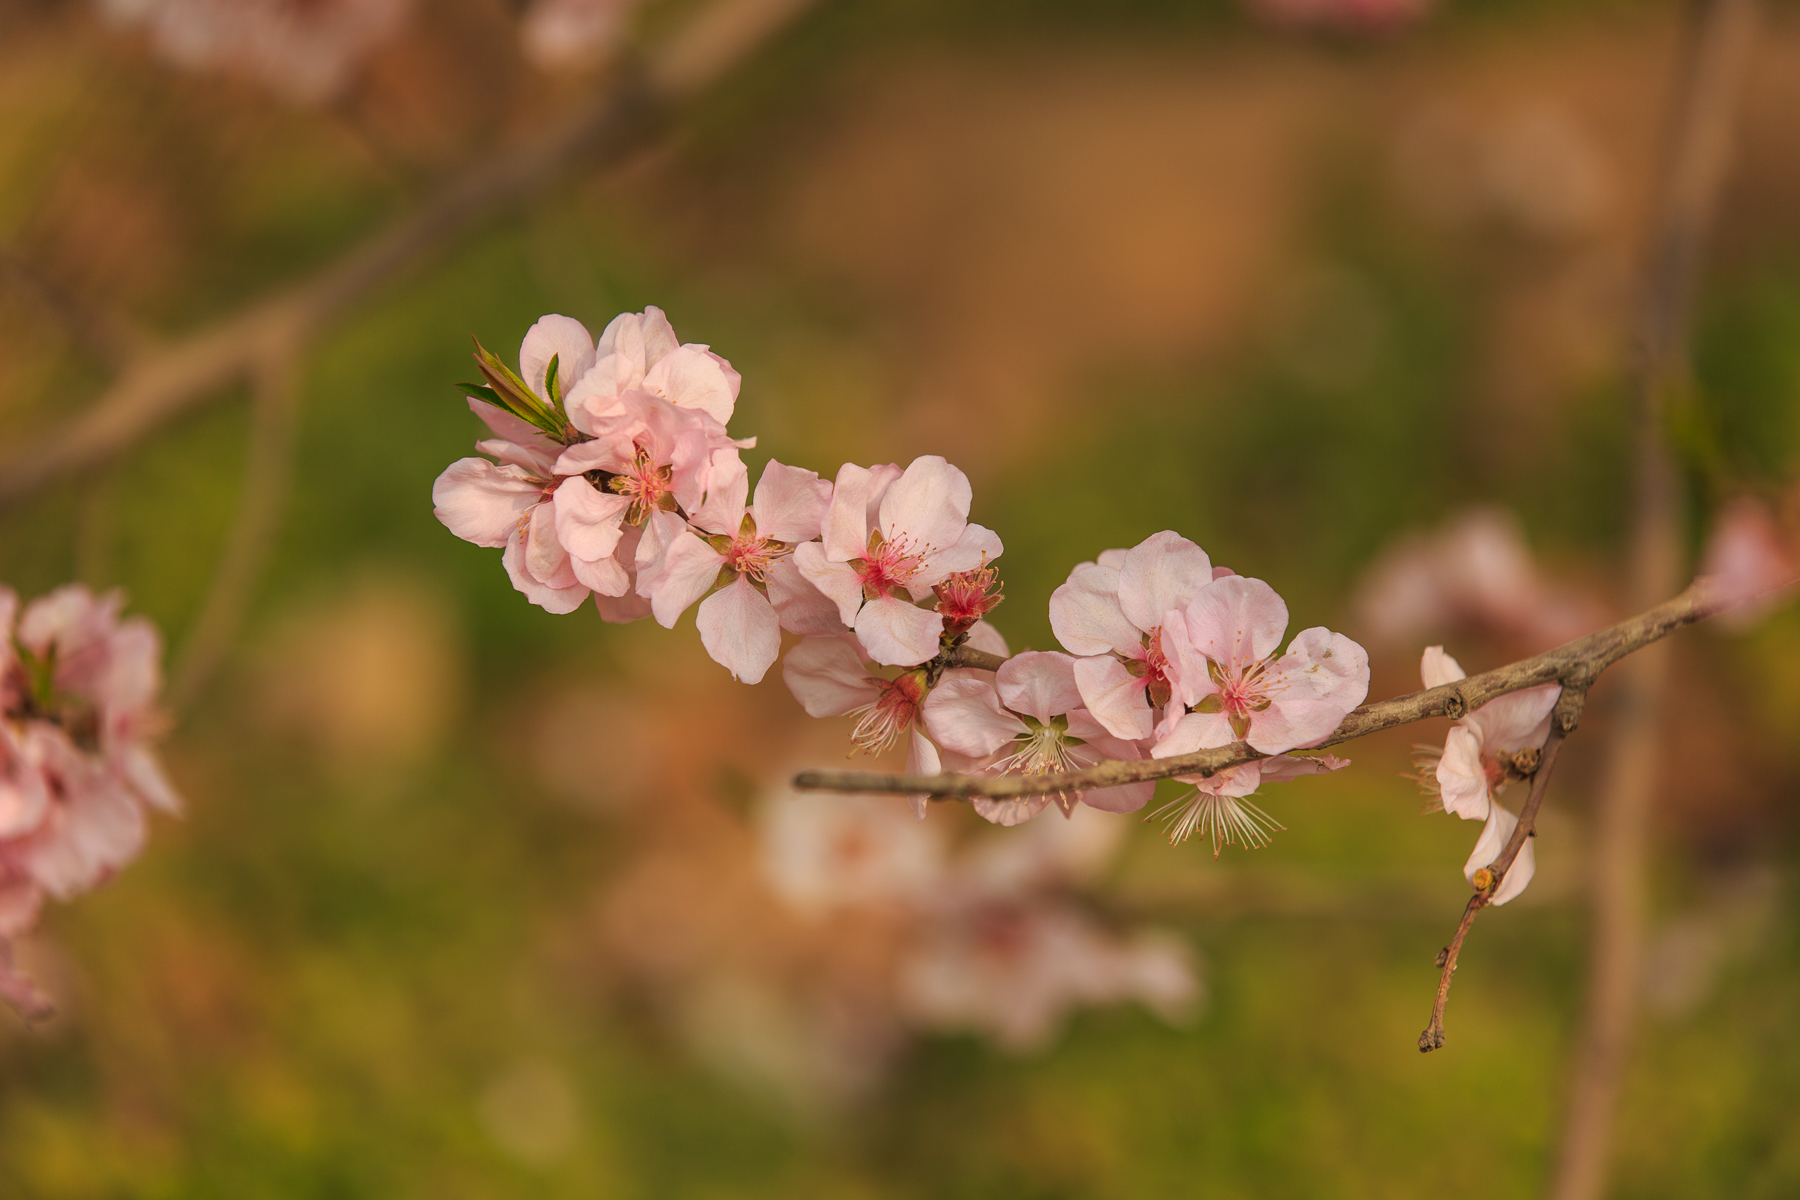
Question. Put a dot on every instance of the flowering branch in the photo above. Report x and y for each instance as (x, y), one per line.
(1574, 665)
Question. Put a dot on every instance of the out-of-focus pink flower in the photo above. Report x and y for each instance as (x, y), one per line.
(1748, 560)
(1475, 571)
(889, 537)
(78, 690)
(572, 35)
(738, 625)
(1365, 17)
(822, 853)
(304, 51)
(1112, 615)
(1028, 719)
(1487, 749)
(1220, 804)
(1224, 669)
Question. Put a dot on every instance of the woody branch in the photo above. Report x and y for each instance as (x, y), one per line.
(1574, 665)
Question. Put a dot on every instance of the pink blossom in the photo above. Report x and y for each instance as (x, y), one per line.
(78, 691)
(1748, 561)
(1476, 570)
(638, 352)
(1226, 672)
(1113, 616)
(1028, 718)
(1220, 806)
(739, 626)
(303, 50)
(1487, 749)
(572, 35)
(889, 536)
(822, 853)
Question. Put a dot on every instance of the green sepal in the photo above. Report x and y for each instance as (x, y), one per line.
(514, 396)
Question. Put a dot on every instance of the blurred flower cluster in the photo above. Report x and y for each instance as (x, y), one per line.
(78, 691)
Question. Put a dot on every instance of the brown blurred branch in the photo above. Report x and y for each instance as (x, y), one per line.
(268, 469)
(1574, 665)
(1694, 171)
(159, 384)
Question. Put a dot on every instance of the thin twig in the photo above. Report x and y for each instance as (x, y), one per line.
(158, 385)
(1433, 1037)
(1698, 155)
(1576, 663)
(268, 467)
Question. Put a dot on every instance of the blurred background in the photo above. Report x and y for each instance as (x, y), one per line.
(475, 901)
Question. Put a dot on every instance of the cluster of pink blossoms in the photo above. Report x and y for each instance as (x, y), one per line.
(613, 476)
(78, 689)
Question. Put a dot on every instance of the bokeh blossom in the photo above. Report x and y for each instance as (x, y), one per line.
(78, 714)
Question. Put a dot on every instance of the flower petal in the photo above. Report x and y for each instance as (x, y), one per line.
(1236, 621)
(727, 489)
(589, 522)
(1115, 696)
(1085, 613)
(739, 629)
(691, 376)
(1195, 731)
(480, 502)
(846, 523)
(836, 580)
(1437, 668)
(550, 599)
(1461, 776)
(921, 759)
(928, 505)
(562, 338)
(1165, 571)
(1494, 835)
(827, 676)
(686, 573)
(976, 547)
(897, 633)
(1516, 720)
(802, 607)
(1008, 811)
(1039, 684)
(963, 713)
(790, 503)
(986, 638)
(1326, 666)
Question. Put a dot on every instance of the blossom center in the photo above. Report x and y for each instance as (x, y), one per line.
(751, 555)
(889, 566)
(896, 705)
(645, 484)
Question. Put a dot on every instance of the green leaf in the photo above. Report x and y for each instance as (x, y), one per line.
(476, 391)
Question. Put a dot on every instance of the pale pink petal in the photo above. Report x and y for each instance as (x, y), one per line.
(897, 633)
(1195, 731)
(589, 522)
(597, 397)
(928, 506)
(846, 524)
(1085, 613)
(802, 607)
(1039, 683)
(1008, 812)
(562, 338)
(1284, 767)
(550, 599)
(837, 581)
(1236, 621)
(624, 336)
(986, 638)
(1111, 558)
(608, 578)
(1494, 835)
(1437, 668)
(921, 759)
(145, 775)
(827, 676)
(1115, 696)
(727, 489)
(687, 572)
(691, 377)
(1747, 561)
(790, 503)
(20, 900)
(545, 557)
(529, 442)
(975, 548)
(95, 831)
(739, 629)
(1327, 666)
(963, 713)
(1294, 723)
(655, 536)
(1127, 797)
(621, 610)
(1461, 776)
(1165, 571)
(1517, 720)
(659, 336)
(480, 502)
